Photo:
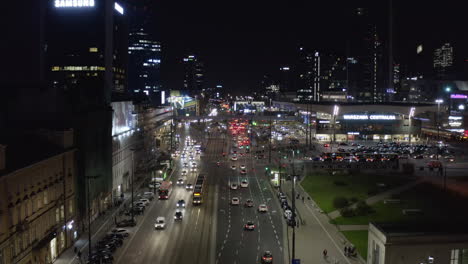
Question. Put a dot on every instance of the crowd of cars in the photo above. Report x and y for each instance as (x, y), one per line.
(384, 151)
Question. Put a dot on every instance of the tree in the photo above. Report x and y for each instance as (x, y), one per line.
(340, 202)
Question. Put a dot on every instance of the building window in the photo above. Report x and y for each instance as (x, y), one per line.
(2, 257)
(70, 207)
(93, 49)
(46, 200)
(57, 215)
(455, 256)
(62, 212)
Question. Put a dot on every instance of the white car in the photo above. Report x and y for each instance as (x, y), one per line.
(234, 158)
(148, 195)
(235, 201)
(233, 186)
(262, 208)
(244, 184)
(233, 167)
(144, 201)
(242, 167)
(243, 172)
(160, 223)
(287, 214)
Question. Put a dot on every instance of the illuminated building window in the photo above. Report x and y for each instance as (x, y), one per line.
(93, 49)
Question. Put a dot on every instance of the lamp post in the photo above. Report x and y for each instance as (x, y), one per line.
(294, 217)
(438, 101)
(88, 196)
(336, 110)
(411, 114)
(132, 180)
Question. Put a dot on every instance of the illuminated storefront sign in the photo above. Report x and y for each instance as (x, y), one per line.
(74, 3)
(353, 133)
(455, 117)
(371, 117)
(459, 96)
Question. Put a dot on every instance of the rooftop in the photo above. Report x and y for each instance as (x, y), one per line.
(421, 229)
(25, 150)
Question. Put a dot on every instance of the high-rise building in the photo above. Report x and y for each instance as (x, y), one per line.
(285, 81)
(79, 58)
(194, 74)
(144, 63)
(87, 50)
(443, 61)
(365, 54)
(305, 81)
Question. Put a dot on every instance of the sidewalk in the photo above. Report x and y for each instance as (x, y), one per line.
(100, 226)
(315, 233)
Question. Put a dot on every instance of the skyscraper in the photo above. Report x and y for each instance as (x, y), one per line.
(365, 55)
(79, 58)
(443, 62)
(193, 74)
(144, 63)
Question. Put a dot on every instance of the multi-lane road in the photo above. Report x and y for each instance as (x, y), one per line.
(212, 232)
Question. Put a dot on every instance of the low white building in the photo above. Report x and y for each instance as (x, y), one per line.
(417, 244)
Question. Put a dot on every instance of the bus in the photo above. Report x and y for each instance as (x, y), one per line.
(165, 190)
(199, 190)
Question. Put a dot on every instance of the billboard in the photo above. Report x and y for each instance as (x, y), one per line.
(124, 118)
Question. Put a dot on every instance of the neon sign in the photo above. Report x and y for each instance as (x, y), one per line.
(74, 3)
(367, 117)
(459, 96)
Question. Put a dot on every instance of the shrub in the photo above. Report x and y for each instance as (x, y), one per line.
(353, 200)
(362, 208)
(347, 212)
(373, 191)
(340, 202)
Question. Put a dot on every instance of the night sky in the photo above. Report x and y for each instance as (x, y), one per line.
(240, 41)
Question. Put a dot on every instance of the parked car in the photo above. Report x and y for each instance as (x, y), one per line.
(126, 223)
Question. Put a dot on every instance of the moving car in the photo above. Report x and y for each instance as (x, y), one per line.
(233, 167)
(189, 186)
(287, 214)
(242, 167)
(234, 158)
(180, 204)
(262, 208)
(244, 184)
(243, 172)
(267, 257)
(235, 201)
(180, 181)
(248, 203)
(234, 186)
(160, 223)
(249, 226)
(184, 172)
(178, 216)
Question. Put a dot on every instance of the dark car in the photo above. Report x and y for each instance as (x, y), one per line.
(138, 210)
(126, 223)
(249, 226)
(180, 204)
(178, 216)
(249, 203)
(343, 144)
(267, 257)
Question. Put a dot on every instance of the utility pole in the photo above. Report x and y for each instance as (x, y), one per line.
(269, 151)
(294, 217)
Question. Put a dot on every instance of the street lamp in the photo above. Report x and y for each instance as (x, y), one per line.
(411, 114)
(336, 110)
(438, 101)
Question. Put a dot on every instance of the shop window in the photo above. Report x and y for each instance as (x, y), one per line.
(455, 256)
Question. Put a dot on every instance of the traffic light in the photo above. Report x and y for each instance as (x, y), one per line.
(266, 168)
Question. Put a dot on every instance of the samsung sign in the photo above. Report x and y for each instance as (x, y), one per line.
(371, 117)
(74, 3)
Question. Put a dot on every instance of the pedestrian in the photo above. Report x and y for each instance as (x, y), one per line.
(346, 251)
(303, 199)
(325, 253)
